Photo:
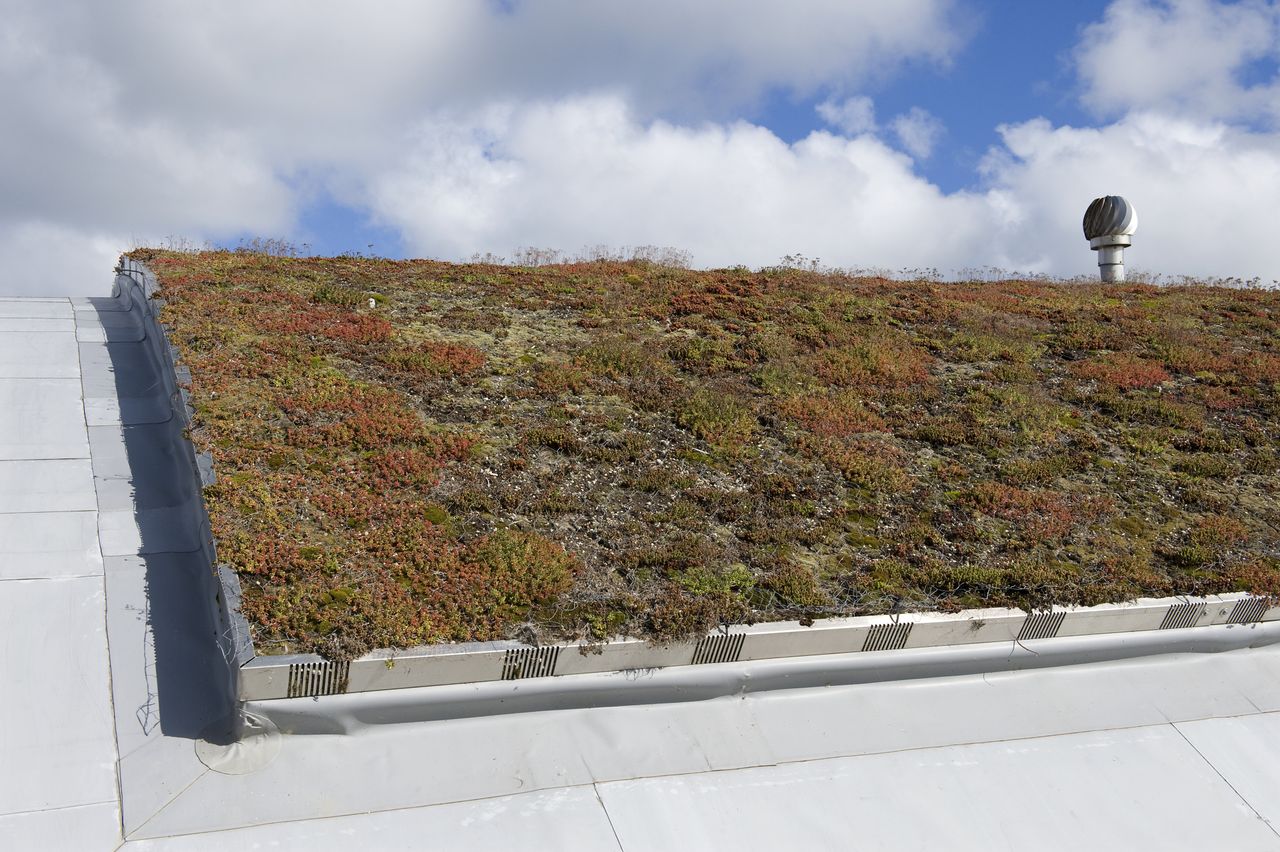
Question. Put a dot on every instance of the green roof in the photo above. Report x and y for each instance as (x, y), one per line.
(412, 452)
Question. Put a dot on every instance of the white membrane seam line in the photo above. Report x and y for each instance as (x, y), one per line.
(1218, 772)
(106, 626)
(76, 806)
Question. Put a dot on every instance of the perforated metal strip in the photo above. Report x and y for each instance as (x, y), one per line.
(1248, 611)
(719, 648)
(887, 637)
(530, 662)
(1041, 625)
(308, 679)
(1183, 615)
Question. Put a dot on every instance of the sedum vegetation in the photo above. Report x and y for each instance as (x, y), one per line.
(418, 452)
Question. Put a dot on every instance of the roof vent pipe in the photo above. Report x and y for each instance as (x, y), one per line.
(1109, 223)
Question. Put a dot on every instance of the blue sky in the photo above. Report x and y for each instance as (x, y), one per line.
(951, 134)
(328, 227)
(1015, 63)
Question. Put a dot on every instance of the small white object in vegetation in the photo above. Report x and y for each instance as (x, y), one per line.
(373, 303)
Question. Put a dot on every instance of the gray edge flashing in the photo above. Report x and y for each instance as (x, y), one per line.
(470, 678)
(295, 676)
(134, 289)
(352, 712)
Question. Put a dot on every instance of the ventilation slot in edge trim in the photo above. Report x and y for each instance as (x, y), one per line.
(310, 679)
(1248, 611)
(718, 648)
(520, 663)
(1041, 625)
(1183, 615)
(887, 637)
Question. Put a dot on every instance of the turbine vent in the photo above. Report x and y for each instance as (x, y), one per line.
(1109, 223)
(1110, 216)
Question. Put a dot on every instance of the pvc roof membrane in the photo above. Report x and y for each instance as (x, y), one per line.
(1152, 726)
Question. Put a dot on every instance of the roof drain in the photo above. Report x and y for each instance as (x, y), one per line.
(887, 637)
(1041, 625)
(1183, 615)
(718, 648)
(310, 679)
(1248, 611)
(520, 663)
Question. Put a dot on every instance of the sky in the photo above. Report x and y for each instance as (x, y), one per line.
(950, 135)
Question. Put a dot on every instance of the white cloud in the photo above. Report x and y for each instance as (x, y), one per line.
(585, 171)
(291, 67)
(43, 259)
(74, 162)
(918, 131)
(1183, 56)
(852, 116)
(198, 118)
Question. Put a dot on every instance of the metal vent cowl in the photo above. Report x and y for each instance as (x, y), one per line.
(1110, 215)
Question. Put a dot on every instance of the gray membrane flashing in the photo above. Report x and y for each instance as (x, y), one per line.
(722, 743)
(986, 632)
(348, 713)
(171, 681)
(58, 782)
